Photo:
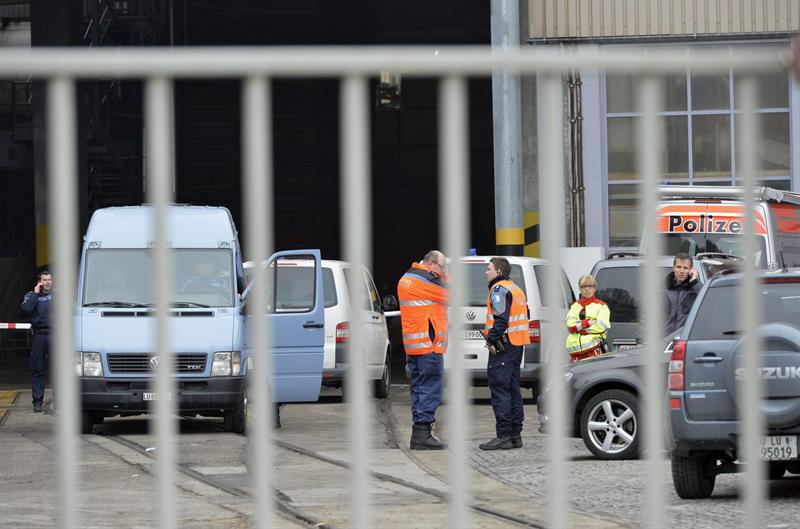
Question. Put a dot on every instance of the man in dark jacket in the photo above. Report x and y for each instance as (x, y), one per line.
(37, 304)
(683, 285)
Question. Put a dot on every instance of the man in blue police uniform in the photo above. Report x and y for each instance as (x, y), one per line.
(37, 304)
(506, 334)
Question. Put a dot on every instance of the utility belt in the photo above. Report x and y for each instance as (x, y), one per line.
(36, 331)
(501, 345)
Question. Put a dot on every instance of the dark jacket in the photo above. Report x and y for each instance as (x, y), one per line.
(38, 307)
(680, 298)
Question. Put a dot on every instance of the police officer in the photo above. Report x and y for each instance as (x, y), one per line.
(423, 313)
(37, 304)
(506, 334)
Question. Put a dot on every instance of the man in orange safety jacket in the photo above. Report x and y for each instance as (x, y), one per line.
(422, 293)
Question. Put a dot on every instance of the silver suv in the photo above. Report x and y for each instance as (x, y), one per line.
(704, 379)
(618, 283)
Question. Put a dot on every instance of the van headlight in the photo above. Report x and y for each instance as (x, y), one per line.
(226, 364)
(88, 364)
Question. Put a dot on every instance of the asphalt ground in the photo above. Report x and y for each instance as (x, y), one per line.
(408, 488)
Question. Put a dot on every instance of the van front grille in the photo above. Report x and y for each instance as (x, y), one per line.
(141, 363)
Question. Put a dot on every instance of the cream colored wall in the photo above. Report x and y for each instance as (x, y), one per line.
(592, 19)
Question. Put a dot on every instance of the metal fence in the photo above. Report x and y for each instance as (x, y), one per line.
(256, 67)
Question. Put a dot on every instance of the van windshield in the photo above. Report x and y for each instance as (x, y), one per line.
(478, 288)
(123, 278)
(727, 243)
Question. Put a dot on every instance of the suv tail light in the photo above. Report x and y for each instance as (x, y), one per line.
(676, 364)
(343, 332)
(535, 331)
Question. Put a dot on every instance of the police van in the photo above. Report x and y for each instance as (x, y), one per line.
(528, 274)
(710, 220)
(115, 338)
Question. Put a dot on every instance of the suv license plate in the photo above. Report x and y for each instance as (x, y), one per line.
(473, 335)
(154, 396)
(778, 447)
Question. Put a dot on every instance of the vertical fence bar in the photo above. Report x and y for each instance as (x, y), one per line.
(649, 156)
(62, 198)
(454, 220)
(751, 421)
(158, 106)
(357, 237)
(551, 192)
(258, 208)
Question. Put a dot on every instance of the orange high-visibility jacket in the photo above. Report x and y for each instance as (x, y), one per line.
(423, 310)
(517, 329)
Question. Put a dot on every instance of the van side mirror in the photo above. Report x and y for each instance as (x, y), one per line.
(390, 303)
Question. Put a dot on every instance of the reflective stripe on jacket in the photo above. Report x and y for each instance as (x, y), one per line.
(585, 336)
(423, 310)
(517, 329)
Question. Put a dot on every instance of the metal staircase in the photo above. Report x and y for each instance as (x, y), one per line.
(113, 108)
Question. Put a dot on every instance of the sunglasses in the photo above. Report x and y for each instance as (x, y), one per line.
(588, 286)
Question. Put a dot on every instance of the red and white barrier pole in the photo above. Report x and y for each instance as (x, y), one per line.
(15, 326)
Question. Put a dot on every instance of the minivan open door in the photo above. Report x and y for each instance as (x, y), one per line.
(296, 319)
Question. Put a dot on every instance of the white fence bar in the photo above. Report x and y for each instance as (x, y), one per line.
(649, 157)
(551, 201)
(357, 237)
(158, 108)
(258, 210)
(318, 61)
(62, 198)
(752, 423)
(454, 184)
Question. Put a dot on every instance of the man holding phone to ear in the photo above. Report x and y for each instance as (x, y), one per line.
(37, 305)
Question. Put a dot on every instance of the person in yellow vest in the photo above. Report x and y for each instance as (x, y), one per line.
(588, 320)
(506, 334)
(422, 292)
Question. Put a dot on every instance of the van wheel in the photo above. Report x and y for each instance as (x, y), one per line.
(382, 384)
(693, 476)
(235, 419)
(776, 470)
(88, 420)
(610, 425)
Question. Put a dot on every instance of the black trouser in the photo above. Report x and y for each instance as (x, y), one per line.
(40, 349)
(503, 378)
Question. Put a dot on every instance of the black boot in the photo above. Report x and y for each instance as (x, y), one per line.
(516, 440)
(498, 443)
(422, 439)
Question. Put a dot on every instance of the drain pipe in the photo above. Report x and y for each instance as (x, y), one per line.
(577, 232)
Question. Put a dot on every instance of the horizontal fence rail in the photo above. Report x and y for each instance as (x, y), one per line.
(256, 66)
(313, 61)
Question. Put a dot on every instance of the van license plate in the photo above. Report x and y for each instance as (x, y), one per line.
(778, 447)
(473, 335)
(154, 396)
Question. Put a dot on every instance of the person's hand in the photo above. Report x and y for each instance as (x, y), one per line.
(693, 275)
(38, 288)
(492, 350)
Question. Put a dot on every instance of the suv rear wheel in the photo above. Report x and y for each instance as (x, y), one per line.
(693, 476)
(610, 425)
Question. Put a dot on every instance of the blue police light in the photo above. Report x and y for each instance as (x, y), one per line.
(473, 251)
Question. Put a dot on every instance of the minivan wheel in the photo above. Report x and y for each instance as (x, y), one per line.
(382, 384)
(610, 425)
(693, 476)
(235, 419)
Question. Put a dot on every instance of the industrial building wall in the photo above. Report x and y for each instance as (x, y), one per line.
(604, 19)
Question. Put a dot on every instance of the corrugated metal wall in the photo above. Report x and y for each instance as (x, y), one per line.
(598, 19)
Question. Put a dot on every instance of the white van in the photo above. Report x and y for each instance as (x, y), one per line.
(526, 272)
(336, 276)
